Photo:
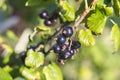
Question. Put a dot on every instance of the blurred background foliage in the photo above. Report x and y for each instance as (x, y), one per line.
(17, 21)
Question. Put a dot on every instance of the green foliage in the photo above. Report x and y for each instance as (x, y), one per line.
(108, 11)
(96, 21)
(115, 37)
(39, 3)
(30, 73)
(43, 30)
(116, 6)
(86, 38)
(91, 63)
(67, 11)
(4, 75)
(34, 59)
(52, 72)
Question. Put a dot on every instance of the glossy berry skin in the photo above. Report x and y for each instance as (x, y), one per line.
(66, 54)
(67, 31)
(43, 15)
(75, 45)
(56, 48)
(61, 39)
(48, 22)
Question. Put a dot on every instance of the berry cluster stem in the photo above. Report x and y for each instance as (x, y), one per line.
(83, 15)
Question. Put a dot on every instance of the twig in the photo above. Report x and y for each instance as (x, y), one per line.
(84, 14)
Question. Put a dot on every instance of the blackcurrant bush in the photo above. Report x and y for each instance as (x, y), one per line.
(61, 39)
(43, 15)
(67, 31)
(56, 48)
(75, 45)
(48, 22)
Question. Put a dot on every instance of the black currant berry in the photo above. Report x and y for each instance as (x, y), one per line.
(72, 51)
(23, 56)
(75, 45)
(56, 48)
(66, 53)
(67, 31)
(61, 39)
(48, 22)
(43, 15)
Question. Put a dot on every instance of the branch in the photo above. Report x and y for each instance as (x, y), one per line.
(84, 14)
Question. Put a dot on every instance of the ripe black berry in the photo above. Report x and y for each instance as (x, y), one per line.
(75, 45)
(43, 15)
(23, 56)
(56, 48)
(61, 39)
(67, 31)
(66, 54)
(48, 22)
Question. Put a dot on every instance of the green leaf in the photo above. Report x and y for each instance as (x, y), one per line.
(52, 72)
(4, 75)
(96, 21)
(9, 52)
(43, 30)
(19, 78)
(39, 2)
(109, 11)
(116, 7)
(115, 37)
(86, 38)
(34, 59)
(67, 11)
(30, 74)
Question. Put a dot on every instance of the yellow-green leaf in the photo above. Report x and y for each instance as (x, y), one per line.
(4, 75)
(115, 36)
(34, 59)
(86, 38)
(67, 11)
(96, 21)
(116, 6)
(30, 74)
(52, 72)
(42, 29)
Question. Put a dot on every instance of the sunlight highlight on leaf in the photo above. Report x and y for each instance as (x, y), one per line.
(115, 37)
(96, 22)
(86, 38)
(34, 59)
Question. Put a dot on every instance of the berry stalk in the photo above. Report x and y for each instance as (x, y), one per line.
(84, 14)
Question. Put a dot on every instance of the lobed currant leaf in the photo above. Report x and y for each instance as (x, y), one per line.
(52, 72)
(67, 11)
(96, 22)
(86, 38)
(116, 7)
(34, 59)
(30, 74)
(115, 37)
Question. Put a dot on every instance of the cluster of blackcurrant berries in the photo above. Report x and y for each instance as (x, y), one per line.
(49, 20)
(65, 47)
